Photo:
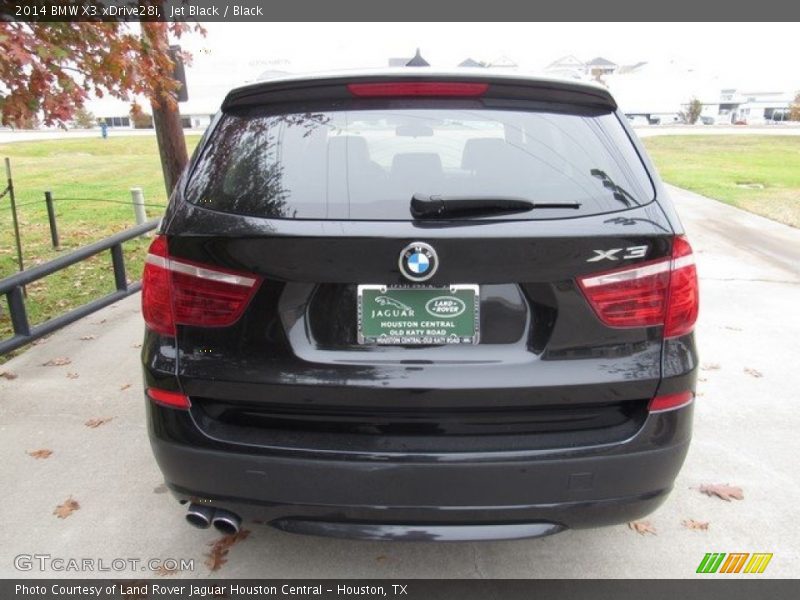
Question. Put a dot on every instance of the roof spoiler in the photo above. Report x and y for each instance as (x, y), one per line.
(265, 93)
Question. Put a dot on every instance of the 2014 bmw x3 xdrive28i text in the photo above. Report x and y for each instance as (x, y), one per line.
(419, 305)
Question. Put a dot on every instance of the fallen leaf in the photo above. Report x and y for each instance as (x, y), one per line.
(702, 379)
(642, 527)
(136, 346)
(695, 525)
(89, 337)
(380, 558)
(72, 375)
(41, 340)
(163, 571)
(753, 372)
(57, 362)
(41, 453)
(8, 375)
(710, 367)
(124, 387)
(62, 511)
(160, 489)
(723, 491)
(95, 423)
(218, 555)
(100, 322)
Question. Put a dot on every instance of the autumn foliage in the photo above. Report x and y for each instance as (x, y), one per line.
(50, 69)
(794, 109)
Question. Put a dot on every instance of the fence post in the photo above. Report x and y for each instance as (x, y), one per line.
(10, 189)
(137, 197)
(51, 214)
(118, 262)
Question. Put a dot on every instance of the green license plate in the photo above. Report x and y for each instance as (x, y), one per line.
(418, 315)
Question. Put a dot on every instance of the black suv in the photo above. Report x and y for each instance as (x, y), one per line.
(419, 305)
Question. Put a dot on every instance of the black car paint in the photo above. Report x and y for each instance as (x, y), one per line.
(423, 486)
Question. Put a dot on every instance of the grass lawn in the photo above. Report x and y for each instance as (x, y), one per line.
(757, 173)
(90, 180)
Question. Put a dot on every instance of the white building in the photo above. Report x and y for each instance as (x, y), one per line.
(599, 68)
(572, 67)
(660, 91)
(568, 67)
(754, 108)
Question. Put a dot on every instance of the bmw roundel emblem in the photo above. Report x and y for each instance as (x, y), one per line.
(418, 261)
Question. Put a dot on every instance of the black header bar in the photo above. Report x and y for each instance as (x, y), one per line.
(397, 10)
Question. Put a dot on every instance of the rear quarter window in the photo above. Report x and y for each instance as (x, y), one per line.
(366, 164)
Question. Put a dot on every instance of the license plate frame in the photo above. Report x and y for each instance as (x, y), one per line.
(433, 326)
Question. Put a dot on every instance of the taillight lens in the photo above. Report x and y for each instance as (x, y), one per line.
(670, 401)
(684, 299)
(167, 398)
(156, 296)
(181, 292)
(401, 89)
(661, 292)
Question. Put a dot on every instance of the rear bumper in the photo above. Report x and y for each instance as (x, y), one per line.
(454, 496)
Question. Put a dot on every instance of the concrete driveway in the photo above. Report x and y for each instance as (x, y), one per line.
(746, 434)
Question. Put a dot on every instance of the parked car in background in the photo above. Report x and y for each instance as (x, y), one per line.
(638, 120)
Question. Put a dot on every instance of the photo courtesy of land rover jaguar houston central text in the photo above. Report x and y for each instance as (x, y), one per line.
(419, 305)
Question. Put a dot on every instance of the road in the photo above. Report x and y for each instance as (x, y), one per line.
(8, 136)
(745, 434)
(656, 130)
(26, 135)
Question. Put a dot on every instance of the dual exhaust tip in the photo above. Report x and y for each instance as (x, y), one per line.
(203, 517)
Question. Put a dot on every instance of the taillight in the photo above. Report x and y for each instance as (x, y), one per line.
(670, 401)
(167, 398)
(661, 292)
(684, 299)
(176, 291)
(400, 89)
(156, 296)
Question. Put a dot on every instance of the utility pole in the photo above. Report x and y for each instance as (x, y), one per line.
(166, 116)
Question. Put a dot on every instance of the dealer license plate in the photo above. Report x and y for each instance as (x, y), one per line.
(418, 315)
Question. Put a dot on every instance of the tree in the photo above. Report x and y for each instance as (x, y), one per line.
(83, 119)
(692, 112)
(49, 70)
(142, 120)
(166, 117)
(794, 109)
(598, 76)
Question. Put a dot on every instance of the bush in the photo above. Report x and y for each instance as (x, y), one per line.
(794, 109)
(83, 119)
(692, 112)
(141, 120)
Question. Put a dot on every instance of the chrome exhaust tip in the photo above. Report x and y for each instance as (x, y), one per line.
(200, 516)
(226, 522)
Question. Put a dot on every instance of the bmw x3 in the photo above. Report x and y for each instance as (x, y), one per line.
(419, 305)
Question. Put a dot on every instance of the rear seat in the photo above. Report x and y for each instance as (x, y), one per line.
(416, 172)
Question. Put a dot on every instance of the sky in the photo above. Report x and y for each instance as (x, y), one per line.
(739, 55)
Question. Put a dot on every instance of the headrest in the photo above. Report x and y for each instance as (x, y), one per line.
(479, 152)
(352, 146)
(420, 163)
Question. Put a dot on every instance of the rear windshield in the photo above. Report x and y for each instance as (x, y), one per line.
(367, 164)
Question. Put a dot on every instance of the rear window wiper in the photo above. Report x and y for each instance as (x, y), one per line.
(427, 207)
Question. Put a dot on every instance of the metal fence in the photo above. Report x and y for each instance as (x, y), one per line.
(13, 287)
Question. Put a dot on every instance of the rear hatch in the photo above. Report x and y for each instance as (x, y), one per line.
(356, 324)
